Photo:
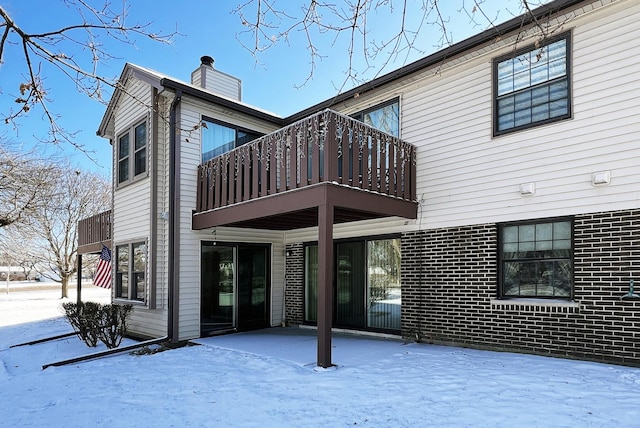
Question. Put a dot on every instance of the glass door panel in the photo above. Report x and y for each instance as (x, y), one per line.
(350, 284)
(311, 283)
(253, 287)
(217, 300)
(384, 298)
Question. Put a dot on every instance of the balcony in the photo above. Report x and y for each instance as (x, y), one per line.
(279, 180)
(93, 232)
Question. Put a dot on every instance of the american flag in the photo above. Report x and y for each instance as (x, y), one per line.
(103, 270)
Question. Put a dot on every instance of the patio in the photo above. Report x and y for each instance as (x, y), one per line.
(298, 346)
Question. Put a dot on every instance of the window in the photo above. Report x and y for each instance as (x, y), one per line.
(536, 259)
(138, 152)
(532, 87)
(385, 117)
(131, 271)
(219, 138)
(366, 284)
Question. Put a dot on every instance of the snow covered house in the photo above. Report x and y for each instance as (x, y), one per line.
(487, 195)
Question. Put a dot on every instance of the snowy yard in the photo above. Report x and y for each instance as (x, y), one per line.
(267, 379)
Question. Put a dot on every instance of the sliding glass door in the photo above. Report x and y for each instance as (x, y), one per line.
(350, 284)
(252, 287)
(234, 287)
(217, 301)
(383, 292)
(366, 284)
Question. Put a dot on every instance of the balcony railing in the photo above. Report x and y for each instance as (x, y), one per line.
(95, 230)
(325, 147)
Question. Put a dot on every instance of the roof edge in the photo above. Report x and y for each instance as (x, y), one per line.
(468, 44)
(208, 96)
(129, 70)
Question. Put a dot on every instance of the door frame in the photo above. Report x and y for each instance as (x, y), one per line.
(236, 322)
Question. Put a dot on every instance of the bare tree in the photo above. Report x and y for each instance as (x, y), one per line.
(271, 22)
(49, 51)
(17, 249)
(24, 183)
(78, 195)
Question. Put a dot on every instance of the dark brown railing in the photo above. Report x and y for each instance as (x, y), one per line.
(95, 229)
(325, 147)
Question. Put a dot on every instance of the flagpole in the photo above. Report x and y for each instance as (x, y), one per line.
(79, 279)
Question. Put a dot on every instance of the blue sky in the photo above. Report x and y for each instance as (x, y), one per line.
(206, 28)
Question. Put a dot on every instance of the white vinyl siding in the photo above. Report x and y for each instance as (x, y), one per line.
(389, 225)
(218, 82)
(468, 177)
(132, 208)
(132, 202)
(191, 112)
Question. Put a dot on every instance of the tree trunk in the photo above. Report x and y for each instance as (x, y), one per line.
(65, 282)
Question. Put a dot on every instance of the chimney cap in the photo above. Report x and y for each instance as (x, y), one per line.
(207, 60)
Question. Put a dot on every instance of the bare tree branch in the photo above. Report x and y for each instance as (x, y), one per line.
(270, 22)
(25, 184)
(53, 49)
(76, 195)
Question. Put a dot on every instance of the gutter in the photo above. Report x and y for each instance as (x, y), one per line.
(456, 49)
(180, 87)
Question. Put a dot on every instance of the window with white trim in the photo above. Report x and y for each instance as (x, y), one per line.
(131, 267)
(132, 153)
(532, 86)
(536, 259)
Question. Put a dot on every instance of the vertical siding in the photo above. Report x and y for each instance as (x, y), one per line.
(468, 177)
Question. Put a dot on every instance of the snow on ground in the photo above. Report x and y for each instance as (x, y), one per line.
(267, 379)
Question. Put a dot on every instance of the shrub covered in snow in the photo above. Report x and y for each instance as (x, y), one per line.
(94, 321)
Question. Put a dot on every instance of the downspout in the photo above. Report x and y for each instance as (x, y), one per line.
(173, 315)
(153, 239)
(101, 354)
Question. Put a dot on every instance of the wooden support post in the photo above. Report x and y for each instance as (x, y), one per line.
(325, 283)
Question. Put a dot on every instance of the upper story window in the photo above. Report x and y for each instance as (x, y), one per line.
(132, 158)
(536, 259)
(385, 117)
(532, 86)
(130, 271)
(219, 138)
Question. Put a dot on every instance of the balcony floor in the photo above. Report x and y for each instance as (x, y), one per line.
(298, 208)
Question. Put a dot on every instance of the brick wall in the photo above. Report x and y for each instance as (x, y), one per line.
(449, 286)
(294, 284)
(449, 292)
(448, 279)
